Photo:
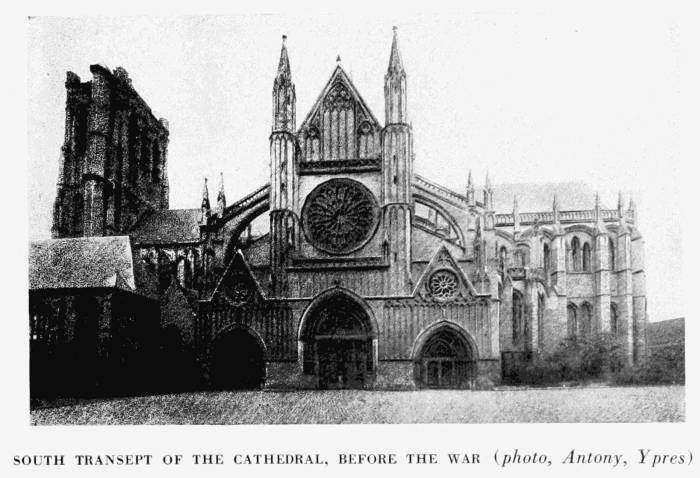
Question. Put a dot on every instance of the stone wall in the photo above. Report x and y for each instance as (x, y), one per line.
(114, 158)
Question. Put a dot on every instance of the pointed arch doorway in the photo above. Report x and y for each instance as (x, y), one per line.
(337, 342)
(238, 360)
(445, 358)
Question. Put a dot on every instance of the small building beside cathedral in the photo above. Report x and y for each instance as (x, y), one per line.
(367, 275)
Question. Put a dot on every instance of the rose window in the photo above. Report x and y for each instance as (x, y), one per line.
(443, 284)
(238, 293)
(339, 216)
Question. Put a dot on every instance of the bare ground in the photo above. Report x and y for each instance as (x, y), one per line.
(599, 404)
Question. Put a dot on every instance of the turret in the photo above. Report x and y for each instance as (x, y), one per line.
(283, 181)
(397, 173)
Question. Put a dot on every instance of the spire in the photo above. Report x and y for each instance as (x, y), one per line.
(470, 189)
(283, 95)
(205, 195)
(488, 193)
(395, 63)
(632, 210)
(221, 197)
(600, 228)
(516, 216)
(283, 69)
(205, 207)
(622, 226)
(620, 204)
(395, 87)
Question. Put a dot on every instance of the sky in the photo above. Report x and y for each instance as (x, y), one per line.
(528, 97)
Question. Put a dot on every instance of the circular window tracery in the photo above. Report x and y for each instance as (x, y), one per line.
(339, 216)
(238, 293)
(443, 284)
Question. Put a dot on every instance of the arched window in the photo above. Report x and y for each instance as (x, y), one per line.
(181, 271)
(614, 322)
(571, 320)
(164, 271)
(189, 273)
(540, 320)
(312, 144)
(517, 318)
(575, 255)
(546, 259)
(503, 257)
(366, 140)
(585, 325)
(586, 257)
(521, 259)
(611, 254)
(77, 225)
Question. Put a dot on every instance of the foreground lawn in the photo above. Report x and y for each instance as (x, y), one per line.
(614, 404)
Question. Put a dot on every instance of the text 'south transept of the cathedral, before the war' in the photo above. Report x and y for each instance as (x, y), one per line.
(369, 275)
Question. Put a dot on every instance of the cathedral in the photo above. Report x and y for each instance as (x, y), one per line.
(366, 275)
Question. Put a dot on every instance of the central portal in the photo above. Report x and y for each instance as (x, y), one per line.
(338, 346)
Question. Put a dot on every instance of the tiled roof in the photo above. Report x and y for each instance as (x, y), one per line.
(168, 226)
(84, 262)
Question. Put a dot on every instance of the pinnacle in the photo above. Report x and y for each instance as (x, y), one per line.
(205, 194)
(283, 69)
(395, 63)
(221, 183)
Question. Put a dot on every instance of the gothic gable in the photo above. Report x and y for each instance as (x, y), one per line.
(340, 126)
(237, 286)
(443, 280)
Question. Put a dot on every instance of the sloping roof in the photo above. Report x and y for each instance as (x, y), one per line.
(532, 197)
(257, 253)
(538, 197)
(84, 262)
(424, 245)
(167, 227)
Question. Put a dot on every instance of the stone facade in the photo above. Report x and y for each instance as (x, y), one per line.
(371, 275)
